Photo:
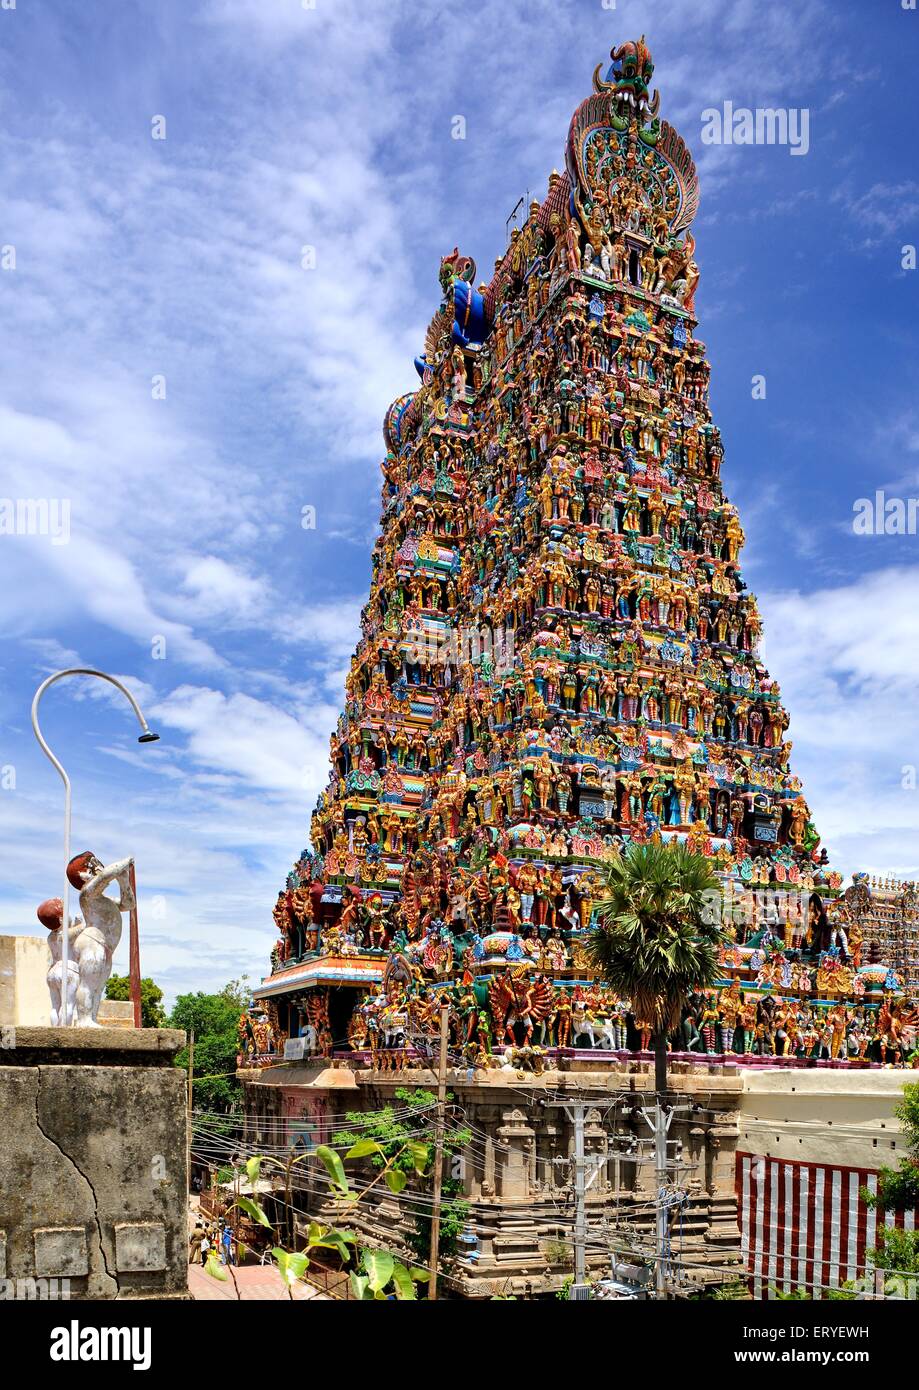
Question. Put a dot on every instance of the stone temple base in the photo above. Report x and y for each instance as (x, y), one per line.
(93, 1163)
(516, 1172)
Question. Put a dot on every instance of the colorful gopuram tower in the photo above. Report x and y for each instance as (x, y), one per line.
(559, 652)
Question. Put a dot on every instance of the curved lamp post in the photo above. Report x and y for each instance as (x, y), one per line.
(146, 737)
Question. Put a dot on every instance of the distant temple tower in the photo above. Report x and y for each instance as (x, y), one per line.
(559, 652)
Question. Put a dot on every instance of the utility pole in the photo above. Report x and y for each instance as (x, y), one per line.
(189, 1103)
(439, 1149)
(576, 1111)
(661, 1126)
(587, 1170)
(580, 1192)
(658, 1121)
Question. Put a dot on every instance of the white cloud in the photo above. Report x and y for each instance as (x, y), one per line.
(846, 660)
(258, 743)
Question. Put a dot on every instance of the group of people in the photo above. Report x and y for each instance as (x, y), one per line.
(215, 1237)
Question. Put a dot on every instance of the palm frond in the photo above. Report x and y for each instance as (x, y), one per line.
(657, 936)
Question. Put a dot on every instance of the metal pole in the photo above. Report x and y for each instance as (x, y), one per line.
(439, 1150)
(64, 1015)
(134, 953)
(147, 737)
(660, 1168)
(190, 1102)
(580, 1215)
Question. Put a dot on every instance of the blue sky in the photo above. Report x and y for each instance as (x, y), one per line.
(330, 127)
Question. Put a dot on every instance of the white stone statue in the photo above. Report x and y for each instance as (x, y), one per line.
(49, 914)
(93, 940)
(98, 941)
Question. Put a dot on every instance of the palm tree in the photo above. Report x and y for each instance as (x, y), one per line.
(657, 935)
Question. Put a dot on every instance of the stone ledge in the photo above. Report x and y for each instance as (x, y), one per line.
(134, 1047)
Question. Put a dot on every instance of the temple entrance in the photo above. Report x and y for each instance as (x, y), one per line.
(341, 1007)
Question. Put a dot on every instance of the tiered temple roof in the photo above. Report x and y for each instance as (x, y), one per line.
(559, 653)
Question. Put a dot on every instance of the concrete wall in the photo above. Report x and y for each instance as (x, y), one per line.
(809, 1145)
(823, 1116)
(116, 1013)
(24, 965)
(93, 1179)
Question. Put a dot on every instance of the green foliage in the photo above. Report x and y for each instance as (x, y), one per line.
(379, 1274)
(254, 1211)
(657, 935)
(238, 992)
(896, 1250)
(898, 1190)
(214, 1019)
(381, 1135)
(731, 1291)
(907, 1112)
(292, 1264)
(215, 1268)
(152, 1013)
(335, 1169)
(385, 1277)
(206, 1014)
(846, 1294)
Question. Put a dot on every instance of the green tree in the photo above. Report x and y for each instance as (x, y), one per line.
(899, 1187)
(152, 1013)
(214, 1020)
(657, 934)
(898, 1190)
(398, 1133)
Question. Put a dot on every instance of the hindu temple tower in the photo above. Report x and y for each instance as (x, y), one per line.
(559, 657)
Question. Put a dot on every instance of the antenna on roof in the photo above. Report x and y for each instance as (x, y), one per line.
(514, 219)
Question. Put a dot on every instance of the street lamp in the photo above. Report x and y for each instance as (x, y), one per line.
(146, 737)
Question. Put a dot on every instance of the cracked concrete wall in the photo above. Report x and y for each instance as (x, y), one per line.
(93, 1161)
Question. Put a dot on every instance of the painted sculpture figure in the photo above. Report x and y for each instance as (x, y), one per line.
(93, 939)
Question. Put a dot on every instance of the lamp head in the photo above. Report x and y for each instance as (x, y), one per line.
(148, 737)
